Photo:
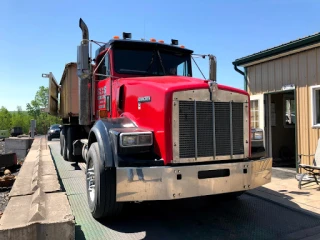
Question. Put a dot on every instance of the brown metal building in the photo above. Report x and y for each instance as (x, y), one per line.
(284, 85)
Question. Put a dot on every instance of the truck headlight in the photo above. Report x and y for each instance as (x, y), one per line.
(258, 136)
(136, 139)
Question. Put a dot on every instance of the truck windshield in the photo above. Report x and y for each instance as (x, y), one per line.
(150, 63)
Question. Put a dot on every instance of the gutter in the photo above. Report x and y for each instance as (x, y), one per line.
(244, 75)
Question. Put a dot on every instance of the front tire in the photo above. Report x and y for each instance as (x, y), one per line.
(101, 186)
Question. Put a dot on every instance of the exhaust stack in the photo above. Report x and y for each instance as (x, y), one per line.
(85, 31)
(84, 75)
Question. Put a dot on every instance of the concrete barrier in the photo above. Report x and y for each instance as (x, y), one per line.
(38, 171)
(18, 145)
(37, 208)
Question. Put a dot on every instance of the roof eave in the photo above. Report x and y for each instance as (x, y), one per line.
(277, 50)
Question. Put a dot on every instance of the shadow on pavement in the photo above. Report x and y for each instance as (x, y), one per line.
(250, 216)
(213, 218)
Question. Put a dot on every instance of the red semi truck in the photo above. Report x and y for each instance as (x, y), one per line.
(148, 130)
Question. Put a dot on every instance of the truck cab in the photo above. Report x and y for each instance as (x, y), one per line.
(148, 130)
(121, 62)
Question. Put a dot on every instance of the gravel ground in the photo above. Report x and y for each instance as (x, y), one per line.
(4, 192)
(4, 198)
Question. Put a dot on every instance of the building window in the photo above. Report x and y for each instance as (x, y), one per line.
(289, 111)
(315, 106)
(254, 111)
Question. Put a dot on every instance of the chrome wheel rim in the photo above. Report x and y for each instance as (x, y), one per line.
(91, 181)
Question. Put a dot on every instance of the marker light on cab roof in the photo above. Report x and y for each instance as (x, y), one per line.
(152, 40)
(161, 41)
(182, 46)
(116, 37)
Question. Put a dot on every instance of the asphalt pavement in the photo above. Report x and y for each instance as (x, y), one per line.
(249, 217)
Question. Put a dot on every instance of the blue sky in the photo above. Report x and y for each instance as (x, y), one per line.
(41, 36)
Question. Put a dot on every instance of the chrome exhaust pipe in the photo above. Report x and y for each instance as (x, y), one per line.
(84, 75)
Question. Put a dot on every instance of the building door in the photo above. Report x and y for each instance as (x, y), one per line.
(258, 129)
(283, 128)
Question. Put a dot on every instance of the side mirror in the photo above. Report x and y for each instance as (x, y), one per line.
(212, 68)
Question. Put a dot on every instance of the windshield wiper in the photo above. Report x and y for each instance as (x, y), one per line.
(150, 64)
(160, 60)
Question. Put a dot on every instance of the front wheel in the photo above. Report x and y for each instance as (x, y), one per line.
(101, 186)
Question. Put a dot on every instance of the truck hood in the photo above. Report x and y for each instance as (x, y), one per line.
(148, 102)
(176, 83)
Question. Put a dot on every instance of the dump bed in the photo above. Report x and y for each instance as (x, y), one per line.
(69, 93)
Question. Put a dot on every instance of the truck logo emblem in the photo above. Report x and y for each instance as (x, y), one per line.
(144, 99)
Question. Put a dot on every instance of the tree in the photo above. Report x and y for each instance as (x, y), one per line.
(40, 101)
(33, 109)
(5, 119)
(42, 97)
(43, 119)
(21, 119)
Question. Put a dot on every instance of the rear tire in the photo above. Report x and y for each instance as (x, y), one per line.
(61, 142)
(64, 144)
(102, 183)
(70, 138)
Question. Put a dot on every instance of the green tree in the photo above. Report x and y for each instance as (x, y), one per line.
(42, 97)
(21, 119)
(34, 109)
(5, 119)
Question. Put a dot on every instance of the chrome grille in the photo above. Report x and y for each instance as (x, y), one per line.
(186, 121)
(222, 118)
(210, 129)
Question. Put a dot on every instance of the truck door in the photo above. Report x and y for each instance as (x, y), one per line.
(103, 93)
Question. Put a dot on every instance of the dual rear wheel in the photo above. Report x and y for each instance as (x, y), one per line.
(67, 135)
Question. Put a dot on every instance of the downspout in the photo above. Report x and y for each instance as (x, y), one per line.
(244, 75)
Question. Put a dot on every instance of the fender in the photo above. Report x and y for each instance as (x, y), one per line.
(100, 132)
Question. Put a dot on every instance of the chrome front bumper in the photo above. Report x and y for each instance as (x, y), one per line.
(164, 183)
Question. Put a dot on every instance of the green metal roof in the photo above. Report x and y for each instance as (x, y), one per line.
(295, 44)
